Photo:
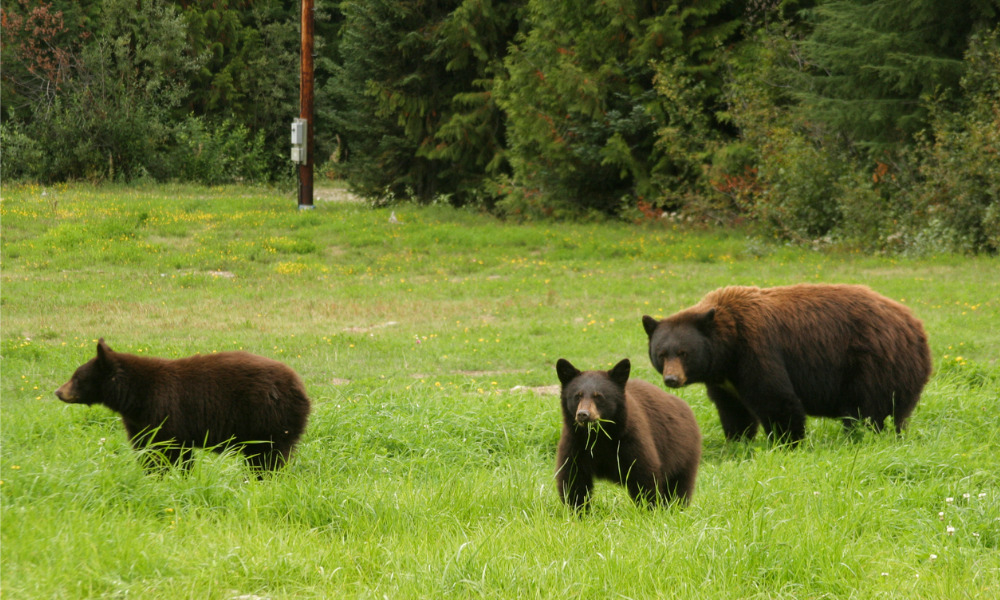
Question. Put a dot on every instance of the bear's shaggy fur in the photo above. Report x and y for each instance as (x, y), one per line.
(628, 432)
(236, 399)
(774, 355)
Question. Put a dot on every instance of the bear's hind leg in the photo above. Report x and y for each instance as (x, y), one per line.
(785, 429)
(158, 458)
(646, 491)
(265, 457)
(158, 451)
(679, 489)
(854, 424)
(780, 411)
(785, 423)
(901, 411)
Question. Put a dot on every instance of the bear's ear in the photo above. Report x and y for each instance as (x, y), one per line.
(104, 354)
(620, 372)
(649, 324)
(706, 320)
(566, 371)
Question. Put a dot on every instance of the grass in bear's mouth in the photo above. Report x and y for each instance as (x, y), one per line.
(442, 485)
(595, 429)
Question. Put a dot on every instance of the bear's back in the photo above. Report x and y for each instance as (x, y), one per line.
(823, 322)
(805, 305)
(227, 374)
(225, 393)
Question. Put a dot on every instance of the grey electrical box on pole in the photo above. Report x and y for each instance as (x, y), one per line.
(300, 141)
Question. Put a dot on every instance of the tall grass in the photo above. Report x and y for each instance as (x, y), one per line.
(428, 348)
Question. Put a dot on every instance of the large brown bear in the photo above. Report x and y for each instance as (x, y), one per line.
(775, 355)
(628, 432)
(236, 399)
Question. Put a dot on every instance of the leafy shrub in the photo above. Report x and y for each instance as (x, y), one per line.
(799, 179)
(109, 115)
(957, 202)
(212, 155)
(22, 154)
(802, 180)
(781, 172)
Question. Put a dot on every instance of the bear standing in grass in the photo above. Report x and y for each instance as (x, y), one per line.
(628, 432)
(774, 355)
(252, 403)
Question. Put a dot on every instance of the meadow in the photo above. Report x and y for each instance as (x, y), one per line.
(428, 347)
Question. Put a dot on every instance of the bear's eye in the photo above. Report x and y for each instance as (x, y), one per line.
(598, 397)
(681, 354)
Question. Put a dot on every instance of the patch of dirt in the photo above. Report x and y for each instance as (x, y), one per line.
(490, 373)
(370, 327)
(545, 390)
(335, 195)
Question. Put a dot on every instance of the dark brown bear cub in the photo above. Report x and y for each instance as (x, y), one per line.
(774, 355)
(249, 402)
(628, 432)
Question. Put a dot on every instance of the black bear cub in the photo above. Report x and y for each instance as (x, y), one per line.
(249, 402)
(628, 432)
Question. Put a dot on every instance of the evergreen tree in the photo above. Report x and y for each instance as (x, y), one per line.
(410, 94)
(872, 61)
(249, 74)
(583, 113)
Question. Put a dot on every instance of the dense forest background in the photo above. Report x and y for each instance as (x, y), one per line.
(874, 123)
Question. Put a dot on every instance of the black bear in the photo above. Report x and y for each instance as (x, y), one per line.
(628, 432)
(249, 402)
(774, 355)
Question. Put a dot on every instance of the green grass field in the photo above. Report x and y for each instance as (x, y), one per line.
(428, 348)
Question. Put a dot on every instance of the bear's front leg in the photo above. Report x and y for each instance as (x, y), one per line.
(645, 491)
(738, 423)
(768, 391)
(575, 484)
(783, 417)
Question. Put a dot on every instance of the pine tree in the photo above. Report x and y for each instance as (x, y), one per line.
(411, 95)
(873, 61)
(583, 112)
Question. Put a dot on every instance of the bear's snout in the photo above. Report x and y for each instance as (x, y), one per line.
(673, 374)
(672, 381)
(586, 412)
(65, 392)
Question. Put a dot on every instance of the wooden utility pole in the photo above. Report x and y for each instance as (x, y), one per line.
(306, 105)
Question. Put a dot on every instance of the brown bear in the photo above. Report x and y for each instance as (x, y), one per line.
(774, 355)
(627, 432)
(230, 399)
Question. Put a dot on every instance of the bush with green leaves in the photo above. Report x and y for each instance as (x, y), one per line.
(20, 154)
(941, 195)
(106, 86)
(218, 153)
(867, 65)
(958, 199)
(111, 114)
(781, 172)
